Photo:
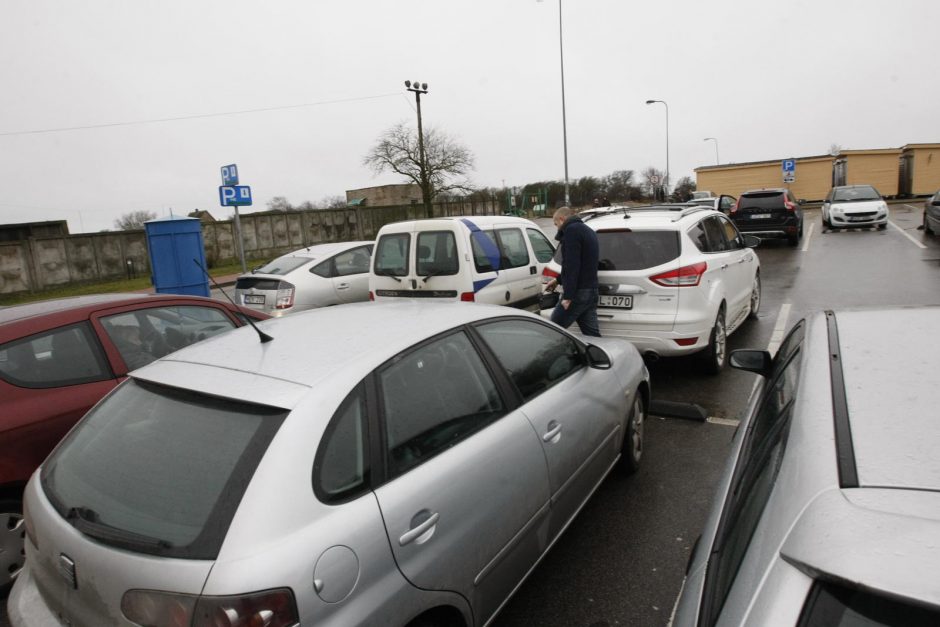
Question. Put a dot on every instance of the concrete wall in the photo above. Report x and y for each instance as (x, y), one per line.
(41, 263)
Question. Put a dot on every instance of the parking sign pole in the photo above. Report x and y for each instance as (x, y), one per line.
(238, 239)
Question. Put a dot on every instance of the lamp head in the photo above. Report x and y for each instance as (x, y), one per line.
(650, 101)
(408, 84)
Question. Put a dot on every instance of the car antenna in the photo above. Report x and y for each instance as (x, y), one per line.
(261, 334)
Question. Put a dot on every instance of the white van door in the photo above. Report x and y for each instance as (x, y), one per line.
(518, 268)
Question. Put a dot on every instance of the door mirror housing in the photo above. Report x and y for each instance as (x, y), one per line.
(751, 241)
(756, 361)
(598, 358)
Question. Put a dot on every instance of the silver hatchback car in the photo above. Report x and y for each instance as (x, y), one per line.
(829, 509)
(397, 464)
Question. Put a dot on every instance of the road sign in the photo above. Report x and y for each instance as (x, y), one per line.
(789, 170)
(235, 195)
(789, 177)
(229, 175)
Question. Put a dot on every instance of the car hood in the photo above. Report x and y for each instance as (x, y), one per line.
(859, 205)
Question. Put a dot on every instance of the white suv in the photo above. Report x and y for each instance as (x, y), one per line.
(674, 280)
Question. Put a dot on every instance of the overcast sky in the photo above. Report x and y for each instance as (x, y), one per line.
(324, 78)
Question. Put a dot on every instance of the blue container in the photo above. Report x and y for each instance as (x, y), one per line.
(173, 244)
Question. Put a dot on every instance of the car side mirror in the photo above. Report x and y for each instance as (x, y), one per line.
(751, 242)
(597, 357)
(801, 201)
(756, 361)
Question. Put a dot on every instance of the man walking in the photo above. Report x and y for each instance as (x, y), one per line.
(579, 256)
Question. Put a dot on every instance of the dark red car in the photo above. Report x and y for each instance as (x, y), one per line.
(59, 357)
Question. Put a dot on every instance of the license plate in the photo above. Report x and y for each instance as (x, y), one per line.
(858, 218)
(760, 216)
(613, 300)
(254, 299)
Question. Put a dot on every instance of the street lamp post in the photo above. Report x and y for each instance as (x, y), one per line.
(564, 123)
(418, 89)
(717, 160)
(667, 139)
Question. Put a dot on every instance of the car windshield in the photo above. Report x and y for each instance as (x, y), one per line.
(159, 470)
(283, 265)
(850, 194)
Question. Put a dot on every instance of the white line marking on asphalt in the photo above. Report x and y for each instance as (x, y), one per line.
(912, 207)
(780, 328)
(809, 236)
(723, 421)
(904, 233)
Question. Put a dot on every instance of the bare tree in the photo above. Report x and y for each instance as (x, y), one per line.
(134, 221)
(333, 202)
(279, 203)
(447, 162)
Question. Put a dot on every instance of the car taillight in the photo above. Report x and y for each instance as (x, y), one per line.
(686, 276)
(371, 295)
(149, 608)
(285, 296)
(467, 297)
(686, 341)
(789, 205)
(549, 273)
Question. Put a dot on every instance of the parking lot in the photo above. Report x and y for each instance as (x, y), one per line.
(622, 560)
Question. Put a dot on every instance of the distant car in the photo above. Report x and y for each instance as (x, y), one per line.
(854, 206)
(932, 214)
(401, 463)
(769, 214)
(722, 203)
(316, 276)
(828, 511)
(702, 195)
(59, 357)
(674, 280)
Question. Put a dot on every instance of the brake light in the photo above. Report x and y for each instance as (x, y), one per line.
(790, 206)
(371, 295)
(734, 207)
(467, 297)
(686, 276)
(548, 272)
(686, 341)
(285, 296)
(149, 608)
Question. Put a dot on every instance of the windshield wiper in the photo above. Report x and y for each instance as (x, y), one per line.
(88, 522)
(434, 272)
(387, 273)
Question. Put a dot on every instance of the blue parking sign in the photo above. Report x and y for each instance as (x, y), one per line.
(229, 175)
(789, 165)
(235, 195)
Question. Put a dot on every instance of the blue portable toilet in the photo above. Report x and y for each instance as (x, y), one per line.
(173, 244)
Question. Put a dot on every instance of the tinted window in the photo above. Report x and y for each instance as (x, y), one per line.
(323, 269)
(65, 356)
(715, 234)
(636, 250)
(391, 254)
(761, 200)
(355, 261)
(540, 244)
(485, 251)
(341, 469)
(831, 605)
(535, 355)
(437, 253)
(732, 237)
(159, 470)
(433, 398)
(283, 265)
(698, 237)
(513, 252)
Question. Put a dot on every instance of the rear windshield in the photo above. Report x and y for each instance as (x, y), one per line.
(636, 250)
(848, 194)
(437, 253)
(762, 200)
(158, 470)
(831, 604)
(391, 254)
(283, 265)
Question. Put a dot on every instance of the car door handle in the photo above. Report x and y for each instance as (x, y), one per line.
(724, 267)
(554, 429)
(343, 286)
(532, 270)
(416, 532)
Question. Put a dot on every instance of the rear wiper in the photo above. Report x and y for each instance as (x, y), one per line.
(387, 273)
(435, 272)
(88, 522)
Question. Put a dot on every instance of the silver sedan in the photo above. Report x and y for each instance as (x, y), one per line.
(397, 464)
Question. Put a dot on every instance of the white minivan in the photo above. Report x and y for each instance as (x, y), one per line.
(484, 259)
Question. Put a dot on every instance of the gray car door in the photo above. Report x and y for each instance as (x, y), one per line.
(578, 412)
(466, 504)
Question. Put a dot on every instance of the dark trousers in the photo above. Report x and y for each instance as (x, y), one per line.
(583, 310)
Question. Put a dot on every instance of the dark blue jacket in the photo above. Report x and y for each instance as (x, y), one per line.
(579, 256)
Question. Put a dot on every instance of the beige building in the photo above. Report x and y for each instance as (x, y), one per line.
(812, 182)
(384, 195)
(919, 169)
(878, 168)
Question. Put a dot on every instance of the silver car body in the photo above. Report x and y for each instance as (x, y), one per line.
(459, 531)
(815, 521)
(316, 276)
(854, 206)
(932, 214)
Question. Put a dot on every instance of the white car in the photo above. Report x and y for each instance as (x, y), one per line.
(854, 206)
(316, 276)
(722, 203)
(674, 280)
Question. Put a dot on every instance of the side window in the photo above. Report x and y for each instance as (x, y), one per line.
(697, 234)
(355, 261)
(433, 398)
(540, 245)
(732, 237)
(713, 231)
(65, 356)
(391, 254)
(341, 467)
(147, 334)
(485, 251)
(513, 252)
(726, 203)
(535, 355)
(437, 254)
(323, 269)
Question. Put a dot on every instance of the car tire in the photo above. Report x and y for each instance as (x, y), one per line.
(631, 451)
(755, 298)
(12, 543)
(882, 227)
(713, 358)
